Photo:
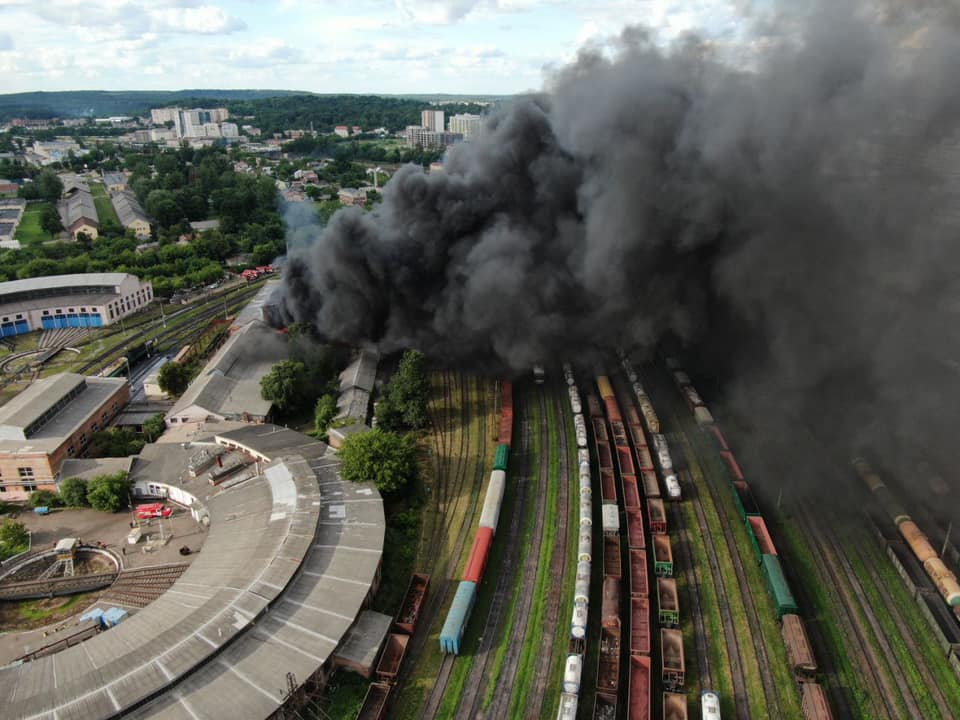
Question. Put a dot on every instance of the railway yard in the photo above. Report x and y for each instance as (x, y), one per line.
(589, 545)
(630, 570)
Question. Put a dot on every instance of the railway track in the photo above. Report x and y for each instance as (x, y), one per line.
(478, 679)
(727, 520)
(559, 565)
(878, 686)
(692, 577)
(463, 489)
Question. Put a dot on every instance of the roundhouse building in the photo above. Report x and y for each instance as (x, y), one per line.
(59, 301)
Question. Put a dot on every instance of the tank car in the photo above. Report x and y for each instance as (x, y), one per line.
(571, 673)
(709, 705)
(578, 622)
(673, 486)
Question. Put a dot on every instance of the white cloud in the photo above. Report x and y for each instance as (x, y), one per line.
(265, 53)
(6, 42)
(205, 20)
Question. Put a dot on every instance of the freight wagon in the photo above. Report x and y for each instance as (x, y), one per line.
(639, 626)
(813, 702)
(501, 457)
(639, 699)
(409, 613)
(672, 664)
(493, 500)
(657, 516)
(668, 603)
(568, 706)
(651, 488)
(375, 702)
(611, 556)
(505, 433)
(605, 706)
(639, 579)
(674, 706)
(631, 495)
(759, 537)
(777, 585)
(392, 658)
(635, 533)
(453, 627)
(799, 653)
(709, 705)
(662, 556)
(479, 554)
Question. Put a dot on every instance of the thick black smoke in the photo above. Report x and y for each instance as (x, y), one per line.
(795, 224)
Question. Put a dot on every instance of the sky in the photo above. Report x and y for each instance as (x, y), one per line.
(364, 46)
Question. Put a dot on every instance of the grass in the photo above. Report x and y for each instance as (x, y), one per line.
(824, 599)
(102, 202)
(534, 630)
(29, 229)
(905, 662)
(343, 698)
(33, 610)
(411, 695)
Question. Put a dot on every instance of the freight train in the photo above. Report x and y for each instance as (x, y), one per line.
(451, 636)
(802, 661)
(943, 579)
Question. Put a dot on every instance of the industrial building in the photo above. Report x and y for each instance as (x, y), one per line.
(228, 388)
(11, 213)
(275, 601)
(59, 301)
(49, 422)
(130, 213)
(78, 213)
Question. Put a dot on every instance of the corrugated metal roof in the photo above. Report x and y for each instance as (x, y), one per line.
(128, 208)
(64, 281)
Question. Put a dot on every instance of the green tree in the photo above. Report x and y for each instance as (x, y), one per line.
(115, 442)
(386, 458)
(153, 427)
(388, 416)
(73, 492)
(109, 493)
(49, 186)
(324, 412)
(173, 378)
(409, 388)
(44, 498)
(13, 536)
(284, 385)
(50, 220)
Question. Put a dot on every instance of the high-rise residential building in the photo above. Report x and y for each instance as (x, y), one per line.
(466, 125)
(432, 120)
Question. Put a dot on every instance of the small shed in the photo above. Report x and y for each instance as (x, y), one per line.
(362, 644)
(336, 436)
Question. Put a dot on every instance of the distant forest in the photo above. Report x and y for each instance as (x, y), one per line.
(100, 103)
(272, 110)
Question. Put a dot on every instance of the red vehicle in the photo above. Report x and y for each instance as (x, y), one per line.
(153, 510)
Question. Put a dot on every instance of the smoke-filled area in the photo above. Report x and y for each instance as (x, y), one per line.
(793, 225)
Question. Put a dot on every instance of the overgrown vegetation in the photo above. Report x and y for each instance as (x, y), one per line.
(73, 492)
(14, 538)
(386, 458)
(404, 405)
(109, 493)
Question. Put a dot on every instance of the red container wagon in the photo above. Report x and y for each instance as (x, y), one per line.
(639, 578)
(631, 495)
(479, 554)
(762, 534)
(639, 626)
(636, 434)
(732, 464)
(639, 704)
(505, 433)
(602, 442)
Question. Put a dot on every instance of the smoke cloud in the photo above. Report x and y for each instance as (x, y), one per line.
(793, 223)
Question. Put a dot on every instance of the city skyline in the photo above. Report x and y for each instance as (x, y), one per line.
(440, 46)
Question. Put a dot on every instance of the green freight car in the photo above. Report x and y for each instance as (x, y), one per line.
(777, 585)
(501, 457)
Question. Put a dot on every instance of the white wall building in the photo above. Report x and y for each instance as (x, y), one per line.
(432, 120)
(466, 125)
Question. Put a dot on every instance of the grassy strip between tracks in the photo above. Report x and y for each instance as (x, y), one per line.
(561, 643)
(905, 662)
(524, 677)
(824, 601)
(425, 667)
(472, 635)
(742, 625)
(908, 614)
(506, 629)
(710, 609)
(787, 699)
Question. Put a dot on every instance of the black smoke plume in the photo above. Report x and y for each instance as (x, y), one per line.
(791, 220)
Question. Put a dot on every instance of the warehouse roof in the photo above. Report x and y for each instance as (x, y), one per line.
(229, 386)
(362, 644)
(63, 281)
(78, 205)
(286, 567)
(114, 178)
(128, 208)
(89, 468)
(52, 409)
